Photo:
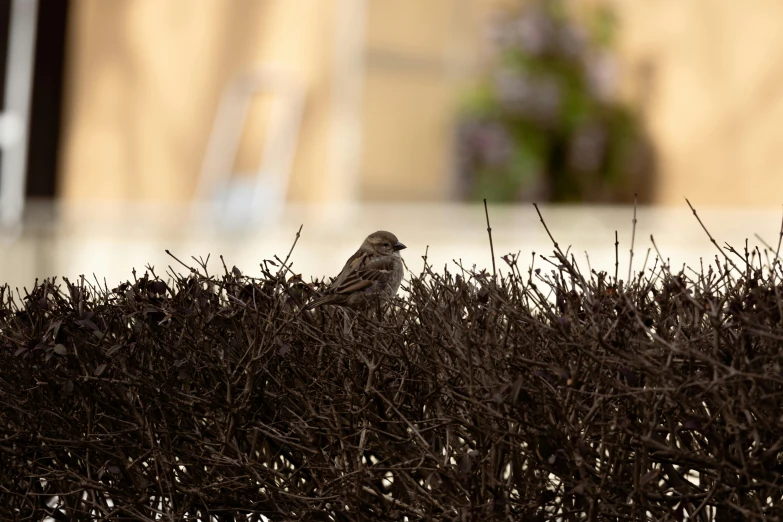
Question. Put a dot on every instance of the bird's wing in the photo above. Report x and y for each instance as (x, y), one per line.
(361, 271)
(354, 263)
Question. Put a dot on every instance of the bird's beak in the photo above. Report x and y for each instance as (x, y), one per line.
(399, 246)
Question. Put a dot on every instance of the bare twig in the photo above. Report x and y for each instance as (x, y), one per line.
(633, 238)
(712, 240)
(491, 246)
(557, 247)
(291, 250)
(616, 257)
(191, 269)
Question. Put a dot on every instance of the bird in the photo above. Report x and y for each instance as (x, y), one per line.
(374, 272)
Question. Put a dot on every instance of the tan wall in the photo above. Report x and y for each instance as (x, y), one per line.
(420, 57)
(144, 77)
(715, 100)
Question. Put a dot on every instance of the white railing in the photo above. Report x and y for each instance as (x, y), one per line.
(14, 121)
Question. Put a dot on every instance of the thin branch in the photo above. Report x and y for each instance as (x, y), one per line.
(712, 239)
(633, 238)
(491, 246)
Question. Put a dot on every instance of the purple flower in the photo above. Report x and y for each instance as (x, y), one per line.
(534, 97)
(601, 69)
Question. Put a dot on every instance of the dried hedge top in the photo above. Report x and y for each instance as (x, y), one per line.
(536, 394)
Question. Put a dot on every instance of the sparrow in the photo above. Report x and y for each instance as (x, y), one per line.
(374, 272)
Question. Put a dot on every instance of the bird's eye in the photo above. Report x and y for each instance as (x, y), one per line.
(386, 244)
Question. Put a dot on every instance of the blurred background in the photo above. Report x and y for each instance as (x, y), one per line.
(219, 127)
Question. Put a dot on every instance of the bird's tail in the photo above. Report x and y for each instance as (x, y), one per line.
(315, 302)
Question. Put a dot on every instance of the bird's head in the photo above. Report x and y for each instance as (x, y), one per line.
(384, 243)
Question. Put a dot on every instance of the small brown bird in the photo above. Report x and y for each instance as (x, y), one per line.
(374, 272)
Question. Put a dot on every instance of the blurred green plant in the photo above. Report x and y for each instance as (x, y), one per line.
(543, 123)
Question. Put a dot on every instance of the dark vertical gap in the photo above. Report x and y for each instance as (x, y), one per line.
(47, 98)
(5, 16)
